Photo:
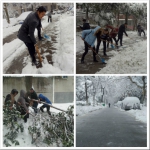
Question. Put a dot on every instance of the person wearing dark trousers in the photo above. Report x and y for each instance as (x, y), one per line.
(46, 100)
(22, 102)
(33, 95)
(50, 16)
(140, 29)
(112, 35)
(89, 37)
(120, 33)
(102, 36)
(109, 105)
(26, 31)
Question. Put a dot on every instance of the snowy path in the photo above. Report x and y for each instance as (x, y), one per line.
(110, 127)
(56, 53)
(90, 67)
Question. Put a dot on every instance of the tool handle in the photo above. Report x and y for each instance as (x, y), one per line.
(39, 55)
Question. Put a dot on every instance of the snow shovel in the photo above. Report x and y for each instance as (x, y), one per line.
(48, 38)
(102, 60)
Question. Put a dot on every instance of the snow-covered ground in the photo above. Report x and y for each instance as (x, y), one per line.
(140, 115)
(130, 60)
(82, 110)
(63, 58)
(24, 138)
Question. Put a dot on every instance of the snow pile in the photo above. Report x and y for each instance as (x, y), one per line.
(130, 60)
(140, 115)
(81, 110)
(10, 48)
(13, 21)
(118, 104)
(131, 101)
(23, 16)
(24, 138)
(64, 56)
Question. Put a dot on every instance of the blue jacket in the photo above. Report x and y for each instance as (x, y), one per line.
(89, 37)
(45, 99)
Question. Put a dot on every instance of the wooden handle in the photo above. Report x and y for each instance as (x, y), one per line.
(37, 50)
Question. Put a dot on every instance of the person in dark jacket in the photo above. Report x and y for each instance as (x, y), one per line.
(24, 109)
(102, 36)
(11, 98)
(46, 100)
(85, 26)
(33, 95)
(109, 105)
(26, 32)
(121, 31)
(140, 29)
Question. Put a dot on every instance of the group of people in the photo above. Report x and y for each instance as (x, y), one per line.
(89, 37)
(26, 31)
(25, 100)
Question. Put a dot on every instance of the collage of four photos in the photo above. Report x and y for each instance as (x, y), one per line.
(75, 74)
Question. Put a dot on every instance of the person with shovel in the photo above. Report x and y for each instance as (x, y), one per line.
(26, 32)
(112, 35)
(89, 37)
(121, 31)
(103, 36)
(46, 100)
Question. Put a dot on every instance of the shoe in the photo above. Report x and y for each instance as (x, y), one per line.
(41, 39)
(49, 112)
(105, 54)
(41, 109)
(82, 61)
(95, 60)
(35, 63)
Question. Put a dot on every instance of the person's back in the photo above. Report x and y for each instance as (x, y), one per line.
(86, 26)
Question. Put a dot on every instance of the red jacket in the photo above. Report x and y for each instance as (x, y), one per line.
(113, 32)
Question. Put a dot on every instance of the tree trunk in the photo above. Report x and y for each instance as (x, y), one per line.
(86, 96)
(28, 82)
(144, 91)
(87, 11)
(126, 17)
(7, 16)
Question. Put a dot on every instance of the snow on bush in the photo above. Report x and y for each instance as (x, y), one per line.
(131, 103)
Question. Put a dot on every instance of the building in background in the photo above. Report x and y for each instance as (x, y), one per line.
(59, 89)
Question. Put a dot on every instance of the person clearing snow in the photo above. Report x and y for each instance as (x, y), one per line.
(26, 32)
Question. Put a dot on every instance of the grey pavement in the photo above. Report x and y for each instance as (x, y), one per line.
(110, 127)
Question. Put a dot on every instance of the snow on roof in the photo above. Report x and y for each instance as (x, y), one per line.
(23, 15)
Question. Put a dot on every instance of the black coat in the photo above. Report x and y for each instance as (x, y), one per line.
(26, 32)
(86, 26)
(122, 30)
